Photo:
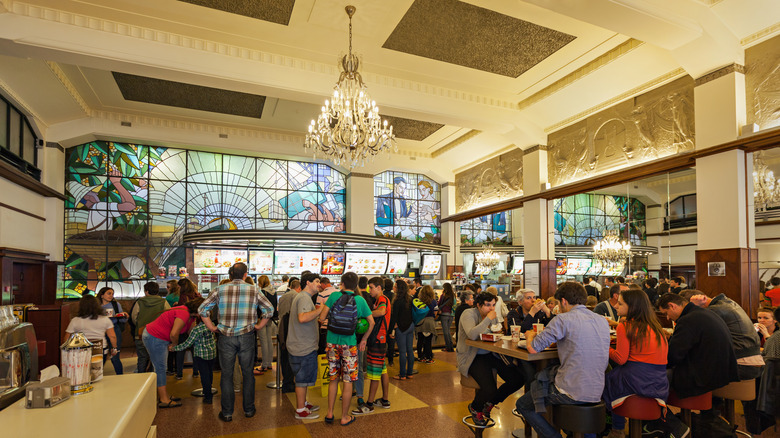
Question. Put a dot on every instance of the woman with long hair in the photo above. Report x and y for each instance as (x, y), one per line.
(767, 324)
(118, 318)
(173, 292)
(446, 303)
(640, 354)
(401, 321)
(188, 291)
(93, 322)
(426, 329)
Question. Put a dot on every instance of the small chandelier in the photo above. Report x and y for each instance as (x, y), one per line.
(487, 258)
(766, 188)
(610, 249)
(349, 128)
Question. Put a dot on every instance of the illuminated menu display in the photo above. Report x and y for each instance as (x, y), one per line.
(431, 263)
(613, 269)
(595, 268)
(517, 265)
(577, 266)
(216, 261)
(396, 264)
(560, 267)
(295, 262)
(366, 263)
(333, 263)
(481, 270)
(261, 262)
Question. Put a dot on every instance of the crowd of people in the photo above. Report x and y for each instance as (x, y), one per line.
(358, 325)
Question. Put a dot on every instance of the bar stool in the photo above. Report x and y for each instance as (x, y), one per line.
(580, 419)
(636, 409)
(701, 402)
(469, 382)
(743, 390)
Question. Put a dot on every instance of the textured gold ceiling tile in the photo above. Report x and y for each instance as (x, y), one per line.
(275, 11)
(411, 129)
(215, 100)
(467, 35)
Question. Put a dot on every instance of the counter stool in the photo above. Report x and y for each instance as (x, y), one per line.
(580, 419)
(701, 402)
(469, 382)
(636, 409)
(743, 390)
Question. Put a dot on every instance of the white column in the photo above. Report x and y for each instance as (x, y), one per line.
(537, 229)
(360, 204)
(450, 231)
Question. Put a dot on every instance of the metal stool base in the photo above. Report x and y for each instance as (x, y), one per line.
(477, 430)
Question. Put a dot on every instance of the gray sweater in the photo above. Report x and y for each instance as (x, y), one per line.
(470, 327)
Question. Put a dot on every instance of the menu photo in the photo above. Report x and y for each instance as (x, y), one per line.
(261, 262)
(396, 264)
(216, 261)
(431, 264)
(366, 263)
(333, 263)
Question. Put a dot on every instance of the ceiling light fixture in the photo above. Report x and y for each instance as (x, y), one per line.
(349, 129)
(487, 258)
(610, 249)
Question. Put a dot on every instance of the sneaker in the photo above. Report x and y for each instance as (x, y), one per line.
(652, 429)
(383, 402)
(679, 429)
(365, 408)
(312, 407)
(179, 377)
(486, 410)
(478, 416)
(306, 415)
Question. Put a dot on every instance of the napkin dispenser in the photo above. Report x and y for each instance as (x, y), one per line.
(48, 393)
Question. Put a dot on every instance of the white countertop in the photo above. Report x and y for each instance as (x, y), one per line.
(118, 406)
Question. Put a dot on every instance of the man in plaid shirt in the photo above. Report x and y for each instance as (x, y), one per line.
(237, 303)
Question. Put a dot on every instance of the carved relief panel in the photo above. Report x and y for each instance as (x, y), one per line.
(654, 125)
(496, 179)
(762, 83)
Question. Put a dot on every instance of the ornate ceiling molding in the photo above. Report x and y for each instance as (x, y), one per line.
(719, 73)
(760, 35)
(538, 147)
(69, 87)
(455, 143)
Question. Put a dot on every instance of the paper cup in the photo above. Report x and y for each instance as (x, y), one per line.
(538, 327)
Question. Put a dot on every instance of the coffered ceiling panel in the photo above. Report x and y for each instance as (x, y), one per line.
(275, 11)
(411, 129)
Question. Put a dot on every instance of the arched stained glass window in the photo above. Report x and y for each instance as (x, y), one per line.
(494, 228)
(128, 206)
(407, 206)
(583, 219)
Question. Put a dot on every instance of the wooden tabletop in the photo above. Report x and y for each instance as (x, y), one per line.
(507, 348)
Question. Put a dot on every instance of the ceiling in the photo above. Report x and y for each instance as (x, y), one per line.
(462, 80)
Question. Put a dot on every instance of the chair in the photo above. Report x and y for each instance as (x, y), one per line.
(701, 402)
(580, 419)
(743, 390)
(636, 409)
(469, 382)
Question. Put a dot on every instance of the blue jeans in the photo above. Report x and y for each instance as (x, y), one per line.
(525, 406)
(206, 369)
(228, 348)
(115, 361)
(158, 353)
(446, 324)
(405, 340)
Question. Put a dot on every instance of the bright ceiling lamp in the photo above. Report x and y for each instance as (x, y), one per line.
(610, 249)
(349, 129)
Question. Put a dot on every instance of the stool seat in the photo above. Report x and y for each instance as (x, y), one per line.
(701, 402)
(639, 408)
(468, 382)
(744, 390)
(586, 418)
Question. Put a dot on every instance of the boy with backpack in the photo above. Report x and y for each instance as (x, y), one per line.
(342, 310)
(377, 348)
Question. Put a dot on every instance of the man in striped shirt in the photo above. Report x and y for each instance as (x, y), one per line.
(237, 303)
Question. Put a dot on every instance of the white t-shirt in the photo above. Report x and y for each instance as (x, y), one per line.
(92, 328)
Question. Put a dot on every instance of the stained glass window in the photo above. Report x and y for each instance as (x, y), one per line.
(494, 228)
(128, 207)
(407, 206)
(583, 219)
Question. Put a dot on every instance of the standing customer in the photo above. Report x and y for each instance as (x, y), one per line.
(160, 336)
(173, 292)
(264, 334)
(237, 303)
(446, 303)
(302, 342)
(145, 310)
(118, 318)
(93, 322)
(204, 350)
(389, 292)
(426, 329)
(187, 291)
(401, 321)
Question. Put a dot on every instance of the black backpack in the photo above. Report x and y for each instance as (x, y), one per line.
(343, 317)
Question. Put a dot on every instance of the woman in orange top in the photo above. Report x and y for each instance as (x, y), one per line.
(640, 354)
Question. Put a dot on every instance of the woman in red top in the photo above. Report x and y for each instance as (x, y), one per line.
(640, 354)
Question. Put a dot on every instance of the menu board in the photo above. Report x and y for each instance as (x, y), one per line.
(517, 265)
(595, 267)
(481, 269)
(431, 263)
(295, 262)
(261, 262)
(613, 269)
(366, 263)
(216, 261)
(396, 264)
(577, 266)
(333, 263)
(560, 267)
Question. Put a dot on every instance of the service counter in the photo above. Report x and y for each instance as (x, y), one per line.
(119, 406)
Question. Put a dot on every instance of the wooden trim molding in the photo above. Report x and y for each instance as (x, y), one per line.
(11, 174)
(19, 210)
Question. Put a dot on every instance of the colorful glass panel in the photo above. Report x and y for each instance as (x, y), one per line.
(584, 218)
(495, 228)
(407, 206)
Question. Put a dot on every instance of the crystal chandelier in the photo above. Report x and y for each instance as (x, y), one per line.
(610, 249)
(766, 188)
(487, 258)
(349, 128)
